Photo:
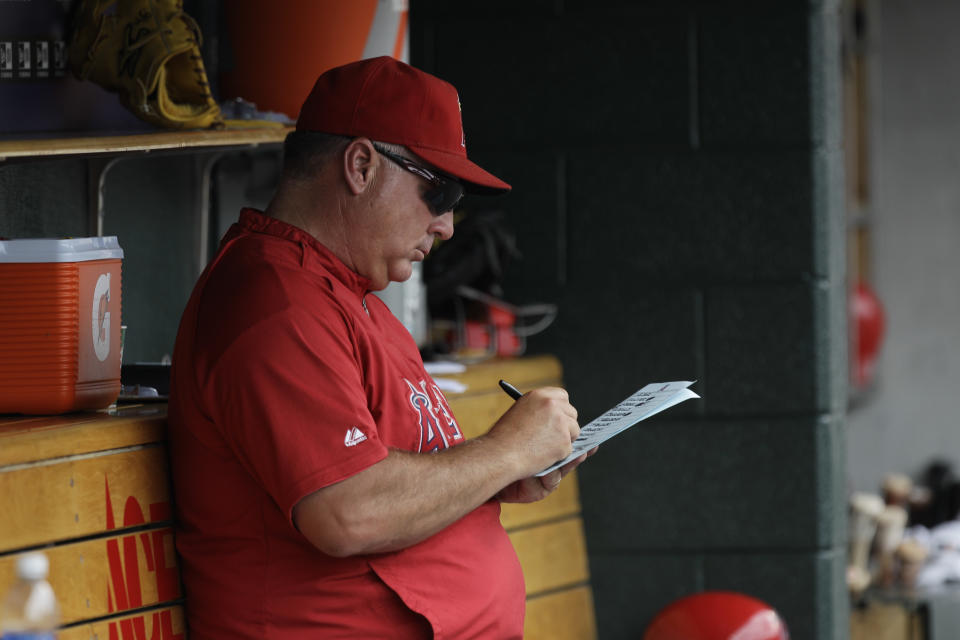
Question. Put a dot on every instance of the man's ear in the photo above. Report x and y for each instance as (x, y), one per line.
(359, 164)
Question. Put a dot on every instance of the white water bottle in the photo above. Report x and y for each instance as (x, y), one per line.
(30, 610)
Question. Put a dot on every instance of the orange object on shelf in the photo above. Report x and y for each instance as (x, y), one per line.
(870, 324)
(59, 324)
(279, 49)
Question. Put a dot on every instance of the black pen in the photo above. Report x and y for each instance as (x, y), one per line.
(510, 390)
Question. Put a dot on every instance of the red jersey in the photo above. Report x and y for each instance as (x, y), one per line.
(288, 377)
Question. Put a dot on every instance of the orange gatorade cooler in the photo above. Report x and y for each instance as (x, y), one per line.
(59, 324)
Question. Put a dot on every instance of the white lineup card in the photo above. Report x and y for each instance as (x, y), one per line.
(648, 401)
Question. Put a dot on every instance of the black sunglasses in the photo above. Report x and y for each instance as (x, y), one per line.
(445, 193)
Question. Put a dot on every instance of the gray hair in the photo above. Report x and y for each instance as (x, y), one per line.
(305, 152)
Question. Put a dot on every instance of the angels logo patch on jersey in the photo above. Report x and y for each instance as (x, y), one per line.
(438, 428)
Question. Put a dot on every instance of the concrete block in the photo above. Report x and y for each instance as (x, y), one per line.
(806, 589)
(770, 103)
(829, 213)
(831, 482)
(151, 204)
(703, 217)
(764, 348)
(831, 319)
(630, 589)
(429, 16)
(826, 81)
(583, 80)
(535, 214)
(611, 6)
(687, 485)
(616, 340)
(44, 199)
(486, 8)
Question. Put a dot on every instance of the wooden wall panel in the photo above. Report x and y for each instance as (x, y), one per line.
(547, 535)
(483, 402)
(95, 578)
(552, 555)
(76, 483)
(565, 501)
(476, 413)
(44, 503)
(167, 623)
(886, 621)
(31, 438)
(478, 408)
(523, 373)
(566, 615)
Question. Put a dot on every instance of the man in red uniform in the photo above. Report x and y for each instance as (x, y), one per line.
(323, 486)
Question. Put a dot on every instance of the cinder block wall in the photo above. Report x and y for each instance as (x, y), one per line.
(150, 205)
(678, 191)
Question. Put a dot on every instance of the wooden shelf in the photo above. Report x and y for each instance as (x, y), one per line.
(28, 439)
(524, 373)
(167, 141)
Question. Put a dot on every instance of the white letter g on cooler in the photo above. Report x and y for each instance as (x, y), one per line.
(100, 317)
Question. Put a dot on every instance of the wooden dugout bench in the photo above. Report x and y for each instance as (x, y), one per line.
(92, 490)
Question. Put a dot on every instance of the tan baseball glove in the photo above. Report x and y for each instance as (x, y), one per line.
(148, 51)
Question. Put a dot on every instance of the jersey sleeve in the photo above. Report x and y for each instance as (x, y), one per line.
(289, 398)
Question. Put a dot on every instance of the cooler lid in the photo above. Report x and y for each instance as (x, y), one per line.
(60, 250)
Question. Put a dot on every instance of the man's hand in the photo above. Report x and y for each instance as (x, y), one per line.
(383, 508)
(533, 488)
(536, 431)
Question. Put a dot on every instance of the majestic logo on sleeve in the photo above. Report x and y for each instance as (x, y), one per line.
(438, 428)
(354, 437)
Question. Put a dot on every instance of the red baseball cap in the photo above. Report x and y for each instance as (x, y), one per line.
(389, 101)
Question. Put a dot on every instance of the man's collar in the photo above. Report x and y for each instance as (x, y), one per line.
(314, 252)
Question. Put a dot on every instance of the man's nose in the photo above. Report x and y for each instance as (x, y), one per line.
(442, 226)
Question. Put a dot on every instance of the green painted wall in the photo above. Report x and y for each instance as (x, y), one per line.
(677, 178)
(150, 206)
